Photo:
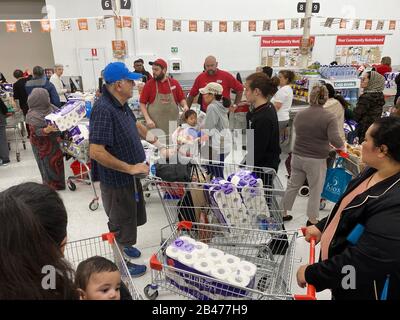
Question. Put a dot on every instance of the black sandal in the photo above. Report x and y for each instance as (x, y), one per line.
(287, 217)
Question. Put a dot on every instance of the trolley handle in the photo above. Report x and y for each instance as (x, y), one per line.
(310, 295)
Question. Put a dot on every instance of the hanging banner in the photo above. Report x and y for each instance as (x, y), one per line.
(192, 26)
(11, 26)
(237, 26)
(144, 24)
(127, 22)
(223, 26)
(177, 25)
(208, 26)
(65, 25)
(392, 25)
(356, 24)
(294, 24)
(119, 48)
(328, 23)
(45, 25)
(252, 26)
(368, 24)
(100, 23)
(160, 24)
(380, 25)
(83, 24)
(266, 25)
(26, 26)
(360, 40)
(342, 24)
(118, 22)
(281, 24)
(283, 42)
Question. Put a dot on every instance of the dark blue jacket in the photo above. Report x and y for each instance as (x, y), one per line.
(45, 84)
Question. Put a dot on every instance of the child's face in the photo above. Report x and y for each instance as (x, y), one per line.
(103, 286)
(192, 120)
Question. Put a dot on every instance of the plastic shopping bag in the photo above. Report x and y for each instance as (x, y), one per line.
(336, 182)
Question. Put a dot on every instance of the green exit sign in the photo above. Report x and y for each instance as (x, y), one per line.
(174, 49)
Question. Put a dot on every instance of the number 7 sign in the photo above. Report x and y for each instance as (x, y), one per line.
(125, 4)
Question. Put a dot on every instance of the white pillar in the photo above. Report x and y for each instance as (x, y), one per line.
(306, 33)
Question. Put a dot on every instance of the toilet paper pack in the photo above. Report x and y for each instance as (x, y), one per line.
(68, 116)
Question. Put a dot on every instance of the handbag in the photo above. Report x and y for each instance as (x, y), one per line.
(336, 182)
(174, 172)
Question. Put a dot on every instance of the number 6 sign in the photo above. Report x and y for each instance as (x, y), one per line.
(106, 4)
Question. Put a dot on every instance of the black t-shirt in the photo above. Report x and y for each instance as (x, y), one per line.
(264, 122)
(20, 93)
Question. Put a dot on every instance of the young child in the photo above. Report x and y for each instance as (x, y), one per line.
(187, 134)
(98, 278)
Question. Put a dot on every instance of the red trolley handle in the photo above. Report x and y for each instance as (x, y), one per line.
(310, 295)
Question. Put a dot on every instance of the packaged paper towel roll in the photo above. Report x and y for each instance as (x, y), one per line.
(239, 280)
(204, 266)
(173, 252)
(247, 268)
(214, 255)
(221, 272)
(187, 259)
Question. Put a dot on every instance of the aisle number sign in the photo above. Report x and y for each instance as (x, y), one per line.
(107, 4)
(301, 7)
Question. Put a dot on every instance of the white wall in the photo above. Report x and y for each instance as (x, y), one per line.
(235, 51)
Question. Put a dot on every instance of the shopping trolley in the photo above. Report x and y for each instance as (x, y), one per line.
(104, 246)
(80, 152)
(15, 123)
(271, 279)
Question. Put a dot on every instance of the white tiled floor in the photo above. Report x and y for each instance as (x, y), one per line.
(84, 223)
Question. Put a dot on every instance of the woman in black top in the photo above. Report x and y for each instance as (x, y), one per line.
(264, 121)
(20, 93)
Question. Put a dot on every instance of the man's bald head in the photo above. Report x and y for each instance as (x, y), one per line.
(210, 65)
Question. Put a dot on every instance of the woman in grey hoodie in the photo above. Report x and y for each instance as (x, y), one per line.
(216, 125)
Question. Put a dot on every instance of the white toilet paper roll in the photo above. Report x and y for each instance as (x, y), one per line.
(247, 268)
(204, 266)
(198, 255)
(229, 260)
(214, 255)
(221, 272)
(187, 259)
(187, 239)
(173, 252)
(239, 280)
(200, 247)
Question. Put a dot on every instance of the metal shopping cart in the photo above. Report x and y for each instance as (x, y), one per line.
(270, 280)
(104, 246)
(80, 152)
(15, 124)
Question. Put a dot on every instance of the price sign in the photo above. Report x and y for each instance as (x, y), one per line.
(106, 4)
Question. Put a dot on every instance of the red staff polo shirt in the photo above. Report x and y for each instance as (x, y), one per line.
(148, 94)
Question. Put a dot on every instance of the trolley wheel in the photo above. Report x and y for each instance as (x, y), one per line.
(94, 205)
(322, 204)
(150, 293)
(71, 185)
(304, 191)
(24, 145)
(18, 157)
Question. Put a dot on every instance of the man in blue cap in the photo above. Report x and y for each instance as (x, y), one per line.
(118, 157)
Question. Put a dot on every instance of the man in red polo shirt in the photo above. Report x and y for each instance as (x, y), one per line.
(160, 98)
(213, 74)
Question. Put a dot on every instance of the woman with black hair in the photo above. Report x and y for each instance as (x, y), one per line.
(28, 253)
(363, 229)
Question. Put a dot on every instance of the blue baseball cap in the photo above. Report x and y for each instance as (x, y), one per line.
(116, 71)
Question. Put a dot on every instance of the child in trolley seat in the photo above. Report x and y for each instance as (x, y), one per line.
(98, 278)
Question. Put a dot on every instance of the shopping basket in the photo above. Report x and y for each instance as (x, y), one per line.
(104, 246)
(271, 279)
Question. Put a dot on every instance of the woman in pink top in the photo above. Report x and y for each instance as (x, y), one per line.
(359, 269)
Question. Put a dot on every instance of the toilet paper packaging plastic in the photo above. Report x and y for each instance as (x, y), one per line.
(248, 268)
(221, 272)
(239, 280)
(68, 116)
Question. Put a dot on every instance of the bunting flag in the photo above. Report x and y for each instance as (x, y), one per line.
(380, 25)
(11, 26)
(177, 25)
(266, 25)
(252, 26)
(302, 23)
(223, 26)
(237, 26)
(127, 22)
(118, 22)
(294, 24)
(192, 25)
(45, 25)
(281, 24)
(26, 26)
(356, 24)
(144, 24)
(328, 22)
(160, 24)
(100, 24)
(208, 26)
(342, 24)
(66, 25)
(368, 24)
(83, 25)
(392, 25)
